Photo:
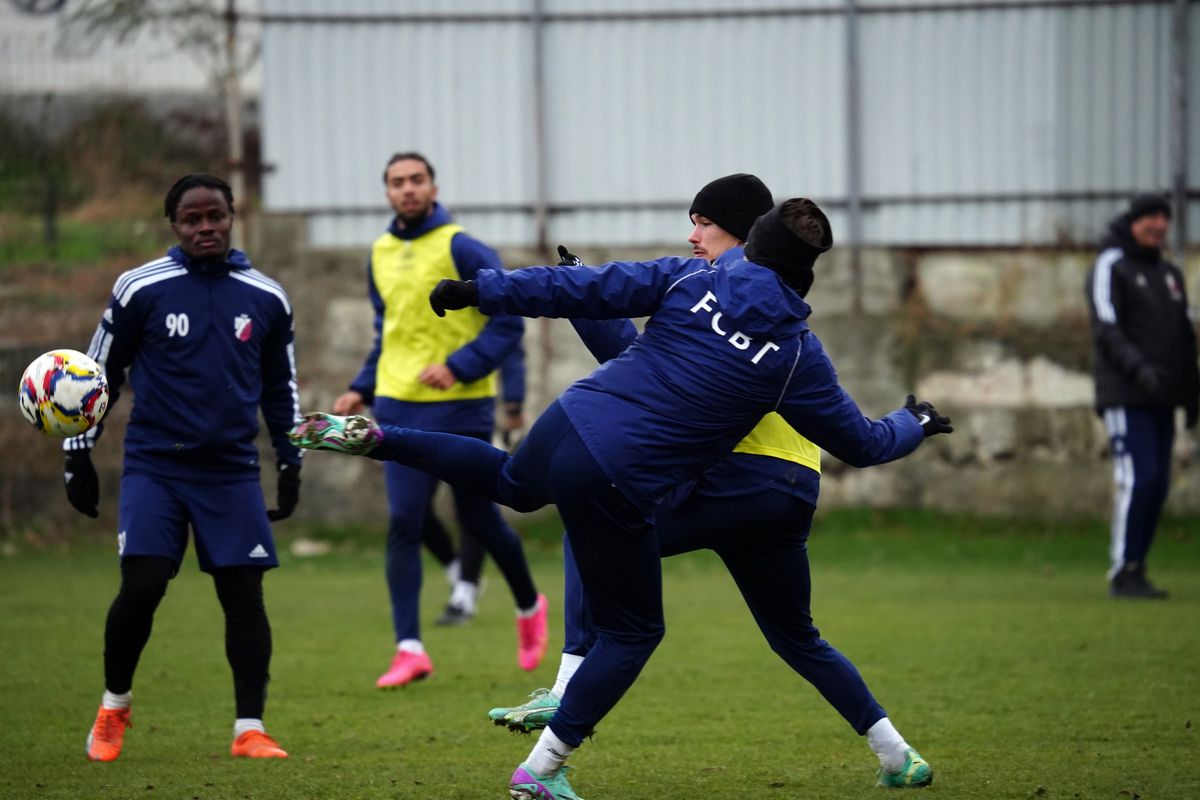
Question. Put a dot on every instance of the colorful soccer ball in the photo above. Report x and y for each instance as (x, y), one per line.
(63, 393)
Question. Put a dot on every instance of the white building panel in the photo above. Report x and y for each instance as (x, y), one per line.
(980, 123)
(42, 54)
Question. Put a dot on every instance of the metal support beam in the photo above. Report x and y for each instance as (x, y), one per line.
(233, 115)
(540, 167)
(854, 158)
(1178, 121)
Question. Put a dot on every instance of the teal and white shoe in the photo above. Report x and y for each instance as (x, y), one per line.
(915, 772)
(354, 436)
(529, 716)
(528, 785)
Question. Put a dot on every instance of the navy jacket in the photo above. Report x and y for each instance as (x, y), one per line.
(724, 344)
(206, 345)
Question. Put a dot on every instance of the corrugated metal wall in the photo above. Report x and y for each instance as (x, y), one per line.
(979, 123)
(47, 53)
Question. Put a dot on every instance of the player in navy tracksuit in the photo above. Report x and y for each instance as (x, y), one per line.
(207, 341)
(1144, 361)
(724, 345)
(424, 373)
(464, 566)
(754, 509)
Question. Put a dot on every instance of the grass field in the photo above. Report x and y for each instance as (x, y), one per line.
(992, 645)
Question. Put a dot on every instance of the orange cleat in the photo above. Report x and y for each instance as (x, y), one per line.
(532, 636)
(107, 733)
(406, 668)
(256, 744)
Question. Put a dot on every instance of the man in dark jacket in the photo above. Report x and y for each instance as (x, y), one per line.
(1144, 361)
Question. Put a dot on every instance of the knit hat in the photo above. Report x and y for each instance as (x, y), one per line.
(775, 245)
(1147, 204)
(733, 202)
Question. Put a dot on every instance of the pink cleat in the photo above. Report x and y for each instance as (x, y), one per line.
(406, 668)
(532, 636)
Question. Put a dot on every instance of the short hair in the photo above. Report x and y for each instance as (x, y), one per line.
(411, 155)
(807, 221)
(176, 192)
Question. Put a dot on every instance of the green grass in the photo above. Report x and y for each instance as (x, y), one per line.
(991, 644)
(79, 244)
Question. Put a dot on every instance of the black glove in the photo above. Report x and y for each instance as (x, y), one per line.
(83, 485)
(287, 491)
(1192, 413)
(1152, 380)
(452, 295)
(931, 422)
(566, 259)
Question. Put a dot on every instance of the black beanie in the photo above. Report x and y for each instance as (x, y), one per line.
(776, 246)
(733, 202)
(1147, 204)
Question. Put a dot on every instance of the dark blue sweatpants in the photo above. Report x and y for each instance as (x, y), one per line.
(762, 536)
(613, 542)
(1140, 440)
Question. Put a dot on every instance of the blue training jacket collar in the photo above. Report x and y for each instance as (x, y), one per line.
(234, 259)
(436, 219)
(776, 297)
(735, 253)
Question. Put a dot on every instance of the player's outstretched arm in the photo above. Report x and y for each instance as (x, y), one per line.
(604, 338)
(610, 291)
(824, 413)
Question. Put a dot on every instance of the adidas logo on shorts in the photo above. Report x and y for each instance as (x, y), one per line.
(259, 552)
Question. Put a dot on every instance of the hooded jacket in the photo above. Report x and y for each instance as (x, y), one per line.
(725, 344)
(1144, 345)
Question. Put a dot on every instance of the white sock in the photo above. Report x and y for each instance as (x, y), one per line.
(111, 700)
(413, 646)
(453, 570)
(464, 596)
(566, 669)
(888, 744)
(548, 754)
(533, 609)
(240, 726)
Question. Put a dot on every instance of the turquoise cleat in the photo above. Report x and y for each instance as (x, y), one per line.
(529, 716)
(916, 772)
(528, 785)
(354, 436)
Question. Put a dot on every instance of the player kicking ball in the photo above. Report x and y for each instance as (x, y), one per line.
(725, 344)
(754, 509)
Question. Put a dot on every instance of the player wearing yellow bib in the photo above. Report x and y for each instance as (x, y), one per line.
(754, 509)
(435, 375)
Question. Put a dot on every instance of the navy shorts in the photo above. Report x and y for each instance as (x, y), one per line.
(229, 521)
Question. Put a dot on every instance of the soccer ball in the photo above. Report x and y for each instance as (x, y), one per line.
(63, 393)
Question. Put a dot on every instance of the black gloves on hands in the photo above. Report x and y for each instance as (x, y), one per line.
(83, 485)
(287, 492)
(1152, 380)
(567, 259)
(931, 422)
(451, 295)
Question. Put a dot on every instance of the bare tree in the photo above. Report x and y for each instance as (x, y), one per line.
(208, 30)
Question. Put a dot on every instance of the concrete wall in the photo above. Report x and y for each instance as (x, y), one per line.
(996, 339)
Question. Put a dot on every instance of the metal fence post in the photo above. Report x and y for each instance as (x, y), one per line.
(1178, 122)
(853, 157)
